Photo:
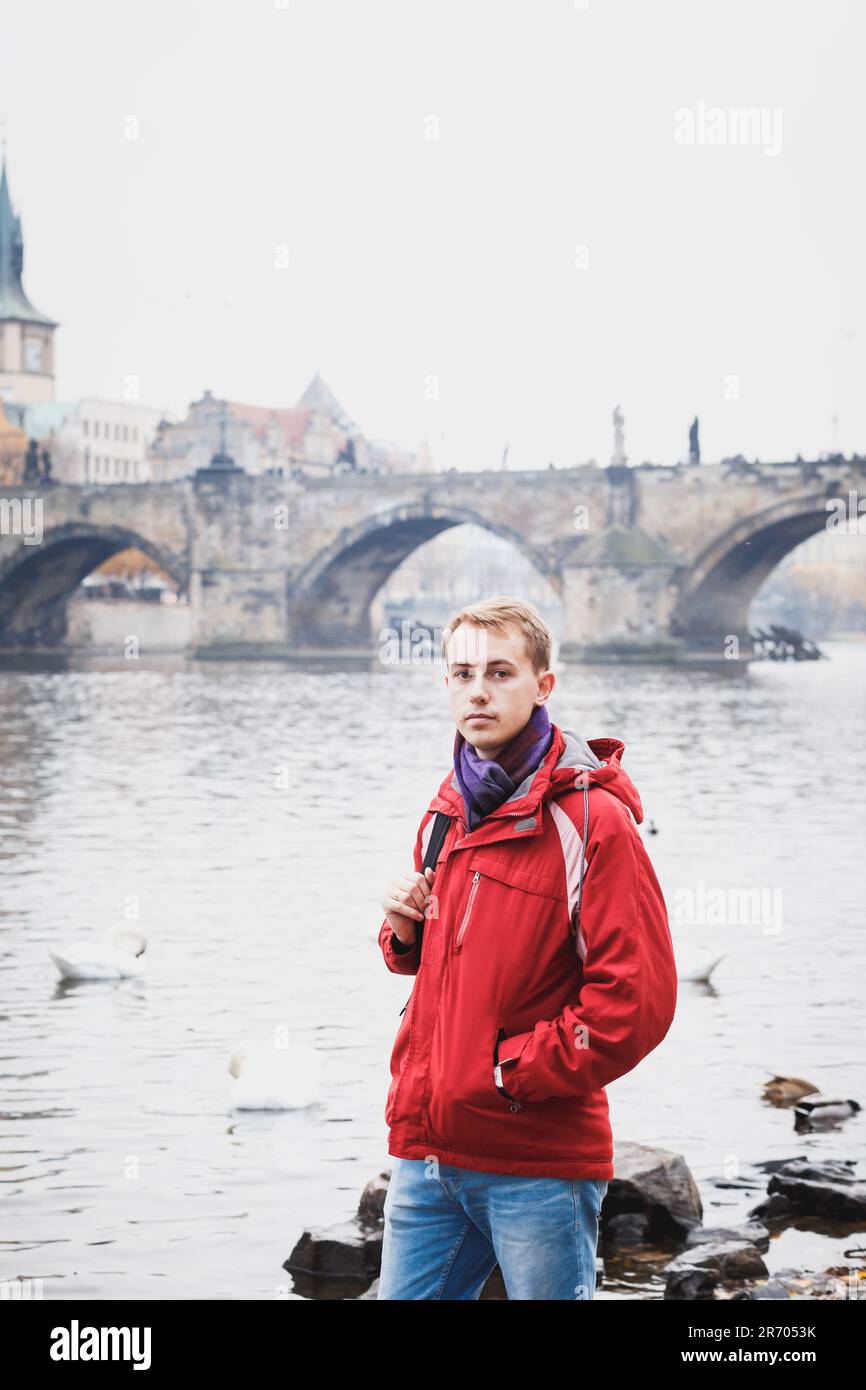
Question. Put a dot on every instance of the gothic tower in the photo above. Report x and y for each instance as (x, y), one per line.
(26, 336)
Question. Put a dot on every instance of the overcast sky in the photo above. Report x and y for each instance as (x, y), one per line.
(450, 263)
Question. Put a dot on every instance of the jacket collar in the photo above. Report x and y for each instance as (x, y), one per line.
(570, 762)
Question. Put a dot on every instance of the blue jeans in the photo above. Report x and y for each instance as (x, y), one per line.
(446, 1228)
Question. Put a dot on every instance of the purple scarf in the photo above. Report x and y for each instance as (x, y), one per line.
(486, 783)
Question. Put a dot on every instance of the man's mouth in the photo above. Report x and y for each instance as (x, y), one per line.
(471, 717)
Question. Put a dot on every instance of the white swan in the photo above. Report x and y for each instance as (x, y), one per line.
(117, 956)
(275, 1078)
(694, 965)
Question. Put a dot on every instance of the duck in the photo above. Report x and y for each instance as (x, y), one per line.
(116, 957)
(815, 1109)
(693, 965)
(275, 1078)
(782, 1090)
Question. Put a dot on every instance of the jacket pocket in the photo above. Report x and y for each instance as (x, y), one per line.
(466, 1112)
(513, 1103)
(513, 866)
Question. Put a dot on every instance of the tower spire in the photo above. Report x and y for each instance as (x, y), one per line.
(26, 335)
(14, 303)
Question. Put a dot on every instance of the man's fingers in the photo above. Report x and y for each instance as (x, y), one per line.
(395, 905)
(410, 895)
(415, 887)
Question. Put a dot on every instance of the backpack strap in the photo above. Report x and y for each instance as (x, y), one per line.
(431, 858)
(441, 826)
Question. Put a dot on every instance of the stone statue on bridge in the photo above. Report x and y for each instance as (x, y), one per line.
(33, 473)
(619, 455)
(694, 443)
(31, 462)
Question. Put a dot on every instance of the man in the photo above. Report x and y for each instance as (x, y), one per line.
(546, 971)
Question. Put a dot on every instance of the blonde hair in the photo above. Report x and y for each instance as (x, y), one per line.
(504, 610)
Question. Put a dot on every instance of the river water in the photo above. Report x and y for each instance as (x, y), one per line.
(252, 815)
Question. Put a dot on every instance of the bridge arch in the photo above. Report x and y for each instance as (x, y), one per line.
(329, 601)
(36, 580)
(717, 589)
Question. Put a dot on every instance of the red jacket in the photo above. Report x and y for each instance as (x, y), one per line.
(503, 979)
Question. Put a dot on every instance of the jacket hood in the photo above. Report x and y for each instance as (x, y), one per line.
(571, 761)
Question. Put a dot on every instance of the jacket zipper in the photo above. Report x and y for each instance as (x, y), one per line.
(464, 924)
(475, 881)
(524, 814)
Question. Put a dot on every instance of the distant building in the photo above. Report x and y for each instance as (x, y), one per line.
(13, 449)
(88, 441)
(91, 440)
(102, 441)
(315, 438)
(26, 335)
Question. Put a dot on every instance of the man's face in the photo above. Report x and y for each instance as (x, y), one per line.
(490, 674)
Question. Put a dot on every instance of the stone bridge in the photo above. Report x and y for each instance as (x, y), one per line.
(649, 562)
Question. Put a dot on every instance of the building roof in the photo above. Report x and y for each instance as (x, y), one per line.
(14, 303)
(320, 398)
(43, 418)
(11, 434)
(291, 421)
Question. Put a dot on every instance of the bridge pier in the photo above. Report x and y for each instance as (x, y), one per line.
(239, 564)
(619, 591)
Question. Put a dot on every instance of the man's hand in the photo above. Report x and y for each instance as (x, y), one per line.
(406, 899)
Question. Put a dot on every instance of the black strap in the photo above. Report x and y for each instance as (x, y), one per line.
(430, 860)
(431, 857)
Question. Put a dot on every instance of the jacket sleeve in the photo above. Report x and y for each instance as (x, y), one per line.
(627, 1001)
(398, 958)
